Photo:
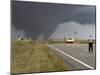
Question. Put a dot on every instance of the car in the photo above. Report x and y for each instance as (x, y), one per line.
(70, 40)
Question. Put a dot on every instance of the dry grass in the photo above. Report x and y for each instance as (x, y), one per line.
(34, 57)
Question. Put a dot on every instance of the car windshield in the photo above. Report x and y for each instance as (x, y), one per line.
(69, 38)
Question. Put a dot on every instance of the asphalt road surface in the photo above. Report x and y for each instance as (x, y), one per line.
(76, 55)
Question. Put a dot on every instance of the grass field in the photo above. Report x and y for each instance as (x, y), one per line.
(63, 41)
(28, 57)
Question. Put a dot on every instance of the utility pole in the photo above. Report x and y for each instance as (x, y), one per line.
(75, 35)
(64, 38)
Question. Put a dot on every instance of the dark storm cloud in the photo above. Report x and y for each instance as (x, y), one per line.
(42, 18)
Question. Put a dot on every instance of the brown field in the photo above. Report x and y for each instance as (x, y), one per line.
(28, 57)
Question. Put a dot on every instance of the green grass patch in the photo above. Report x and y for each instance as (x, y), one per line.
(56, 41)
(28, 56)
(64, 41)
(84, 41)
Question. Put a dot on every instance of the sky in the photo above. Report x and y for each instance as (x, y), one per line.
(52, 20)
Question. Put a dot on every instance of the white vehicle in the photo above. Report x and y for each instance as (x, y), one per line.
(70, 40)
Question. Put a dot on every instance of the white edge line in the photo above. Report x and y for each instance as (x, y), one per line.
(70, 57)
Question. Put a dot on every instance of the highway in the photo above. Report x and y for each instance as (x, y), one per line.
(76, 55)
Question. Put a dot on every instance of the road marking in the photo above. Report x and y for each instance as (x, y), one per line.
(70, 56)
(78, 47)
(85, 49)
(84, 54)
